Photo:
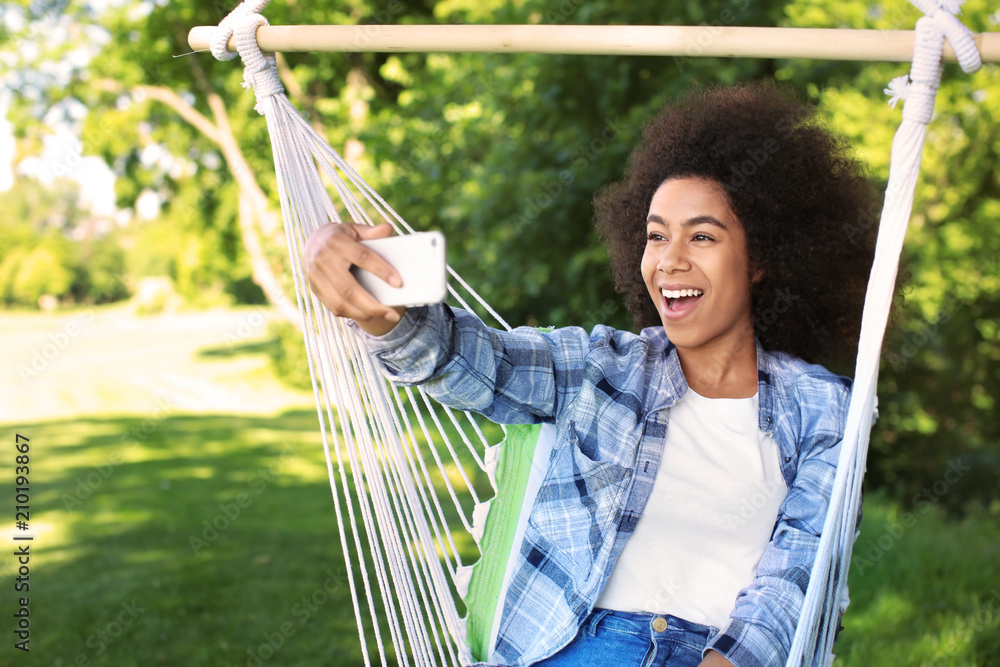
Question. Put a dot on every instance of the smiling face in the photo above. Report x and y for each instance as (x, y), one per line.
(696, 268)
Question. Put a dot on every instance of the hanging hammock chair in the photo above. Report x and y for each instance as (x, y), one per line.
(395, 458)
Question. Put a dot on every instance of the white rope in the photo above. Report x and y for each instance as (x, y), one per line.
(323, 353)
(390, 522)
(288, 212)
(418, 530)
(311, 355)
(221, 35)
(822, 605)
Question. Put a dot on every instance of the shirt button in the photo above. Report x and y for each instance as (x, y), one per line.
(659, 624)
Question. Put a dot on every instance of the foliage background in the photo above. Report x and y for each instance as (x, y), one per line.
(501, 152)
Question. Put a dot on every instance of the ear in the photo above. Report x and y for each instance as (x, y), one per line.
(756, 275)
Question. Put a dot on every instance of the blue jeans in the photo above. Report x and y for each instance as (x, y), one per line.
(632, 639)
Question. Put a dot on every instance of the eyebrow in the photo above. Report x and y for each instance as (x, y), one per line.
(691, 222)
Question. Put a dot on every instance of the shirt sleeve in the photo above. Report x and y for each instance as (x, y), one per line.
(763, 621)
(521, 376)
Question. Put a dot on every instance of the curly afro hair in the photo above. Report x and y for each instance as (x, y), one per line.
(805, 203)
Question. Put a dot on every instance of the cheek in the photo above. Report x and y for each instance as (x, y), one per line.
(735, 266)
(739, 277)
(648, 266)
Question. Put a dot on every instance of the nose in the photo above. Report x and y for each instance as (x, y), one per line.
(673, 258)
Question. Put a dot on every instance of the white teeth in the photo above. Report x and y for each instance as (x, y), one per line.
(678, 293)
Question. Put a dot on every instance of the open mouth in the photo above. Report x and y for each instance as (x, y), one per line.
(679, 302)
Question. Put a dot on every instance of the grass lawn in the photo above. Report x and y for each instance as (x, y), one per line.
(120, 504)
(924, 590)
(115, 578)
(115, 554)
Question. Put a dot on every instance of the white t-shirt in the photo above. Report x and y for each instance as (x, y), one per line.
(709, 517)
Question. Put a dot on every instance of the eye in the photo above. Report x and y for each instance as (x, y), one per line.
(702, 237)
(655, 236)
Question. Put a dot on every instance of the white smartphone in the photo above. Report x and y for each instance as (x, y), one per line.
(421, 261)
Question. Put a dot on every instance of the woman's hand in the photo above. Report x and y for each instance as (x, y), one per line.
(330, 252)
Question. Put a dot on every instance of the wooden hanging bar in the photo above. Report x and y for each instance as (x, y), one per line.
(636, 40)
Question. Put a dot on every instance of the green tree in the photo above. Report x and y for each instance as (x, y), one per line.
(504, 153)
(103, 278)
(36, 258)
(41, 271)
(938, 439)
(148, 129)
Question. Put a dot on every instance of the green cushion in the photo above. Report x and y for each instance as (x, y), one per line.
(485, 587)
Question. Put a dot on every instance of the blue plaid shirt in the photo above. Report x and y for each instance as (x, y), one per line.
(609, 394)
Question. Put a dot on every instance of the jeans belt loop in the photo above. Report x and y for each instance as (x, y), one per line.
(595, 619)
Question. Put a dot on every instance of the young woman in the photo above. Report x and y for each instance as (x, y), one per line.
(681, 511)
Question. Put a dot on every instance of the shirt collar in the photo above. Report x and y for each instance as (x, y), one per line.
(672, 385)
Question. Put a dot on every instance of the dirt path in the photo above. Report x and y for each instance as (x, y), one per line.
(109, 361)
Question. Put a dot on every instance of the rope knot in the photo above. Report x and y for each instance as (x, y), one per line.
(260, 71)
(919, 88)
(943, 13)
(221, 35)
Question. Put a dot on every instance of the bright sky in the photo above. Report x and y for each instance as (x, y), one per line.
(61, 157)
(62, 149)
